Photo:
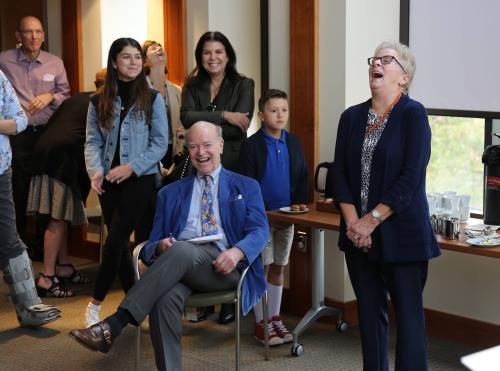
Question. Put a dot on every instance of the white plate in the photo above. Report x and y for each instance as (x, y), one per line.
(481, 242)
(287, 210)
(474, 232)
(206, 239)
(481, 227)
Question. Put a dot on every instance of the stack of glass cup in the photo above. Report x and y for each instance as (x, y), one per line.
(447, 210)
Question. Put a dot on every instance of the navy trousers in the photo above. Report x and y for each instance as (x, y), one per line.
(372, 280)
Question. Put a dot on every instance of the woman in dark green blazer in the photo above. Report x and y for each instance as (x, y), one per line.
(216, 92)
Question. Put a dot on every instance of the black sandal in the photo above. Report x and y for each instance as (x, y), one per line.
(56, 289)
(74, 277)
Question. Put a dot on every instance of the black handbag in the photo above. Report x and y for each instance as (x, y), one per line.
(182, 167)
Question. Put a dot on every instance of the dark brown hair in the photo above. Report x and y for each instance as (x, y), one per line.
(270, 94)
(107, 95)
(199, 73)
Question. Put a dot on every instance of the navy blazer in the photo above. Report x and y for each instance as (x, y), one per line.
(243, 218)
(253, 158)
(397, 179)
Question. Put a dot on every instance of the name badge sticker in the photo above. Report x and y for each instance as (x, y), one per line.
(48, 77)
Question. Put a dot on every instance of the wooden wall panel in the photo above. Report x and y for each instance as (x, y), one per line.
(72, 43)
(174, 23)
(304, 89)
(304, 65)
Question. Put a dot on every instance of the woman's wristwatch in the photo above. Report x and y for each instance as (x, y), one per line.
(376, 214)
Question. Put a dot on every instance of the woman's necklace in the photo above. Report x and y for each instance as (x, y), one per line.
(214, 89)
(381, 119)
(161, 88)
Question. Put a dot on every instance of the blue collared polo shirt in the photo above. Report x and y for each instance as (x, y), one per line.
(275, 183)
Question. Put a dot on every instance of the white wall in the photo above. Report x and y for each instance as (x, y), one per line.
(91, 42)
(154, 22)
(332, 78)
(343, 81)
(368, 23)
(54, 27)
(332, 82)
(197, 25)
(104, 21)
(465, 285)
(239, 20)
(279, 45)
(121, 18)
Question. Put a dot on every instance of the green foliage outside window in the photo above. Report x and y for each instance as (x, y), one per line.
(455, 164)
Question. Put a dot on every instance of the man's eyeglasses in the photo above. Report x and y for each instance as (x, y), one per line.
(386, 59)
(29, 32)
(211, 107)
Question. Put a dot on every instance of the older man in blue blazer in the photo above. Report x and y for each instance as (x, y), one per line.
(222, 209)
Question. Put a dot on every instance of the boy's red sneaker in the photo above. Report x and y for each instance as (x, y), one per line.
(274, 338)
(281, 330)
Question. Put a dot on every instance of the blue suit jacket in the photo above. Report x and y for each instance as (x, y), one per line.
(397, 179)
(243, 218)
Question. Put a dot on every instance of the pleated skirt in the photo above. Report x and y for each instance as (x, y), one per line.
(49, 196)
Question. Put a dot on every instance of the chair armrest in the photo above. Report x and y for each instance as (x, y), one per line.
(242, 277)
(135, 259)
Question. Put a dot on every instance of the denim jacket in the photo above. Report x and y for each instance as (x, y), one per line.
(142, 146)
(10, 109)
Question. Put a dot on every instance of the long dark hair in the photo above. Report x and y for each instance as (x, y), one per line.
(199, 73)
(107, 95)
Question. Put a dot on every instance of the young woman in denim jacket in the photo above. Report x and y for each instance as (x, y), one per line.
(127, 135)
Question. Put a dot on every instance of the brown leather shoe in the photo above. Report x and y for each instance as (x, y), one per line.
(97, 337)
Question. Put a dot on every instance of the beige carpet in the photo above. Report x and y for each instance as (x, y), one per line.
(206, 345)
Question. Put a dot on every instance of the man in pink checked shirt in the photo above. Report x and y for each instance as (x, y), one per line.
(40, 82)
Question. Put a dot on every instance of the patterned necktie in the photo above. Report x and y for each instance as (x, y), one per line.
(208, 225)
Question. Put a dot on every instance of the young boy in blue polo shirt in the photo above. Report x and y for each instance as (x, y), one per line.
(275, 159)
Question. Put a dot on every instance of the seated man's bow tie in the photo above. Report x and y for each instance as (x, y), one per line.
(207, 215)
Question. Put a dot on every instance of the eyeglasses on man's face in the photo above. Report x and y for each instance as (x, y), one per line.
(386, 59)
(30, 32)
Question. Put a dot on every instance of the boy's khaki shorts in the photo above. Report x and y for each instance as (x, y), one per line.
(277, 249)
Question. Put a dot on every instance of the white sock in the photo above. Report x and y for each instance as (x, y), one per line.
(91, 314)
(274, 294)
(257, 311)
(93, 306)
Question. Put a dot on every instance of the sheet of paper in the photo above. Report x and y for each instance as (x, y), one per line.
(485, 360)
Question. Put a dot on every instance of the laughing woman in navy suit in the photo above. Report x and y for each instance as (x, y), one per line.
(381, 155)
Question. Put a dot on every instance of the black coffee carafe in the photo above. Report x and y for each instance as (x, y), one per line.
(326, 189)
(491, 161)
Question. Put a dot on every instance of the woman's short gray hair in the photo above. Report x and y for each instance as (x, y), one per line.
(406, 58)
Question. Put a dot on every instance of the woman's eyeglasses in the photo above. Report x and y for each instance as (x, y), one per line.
(386, 59)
